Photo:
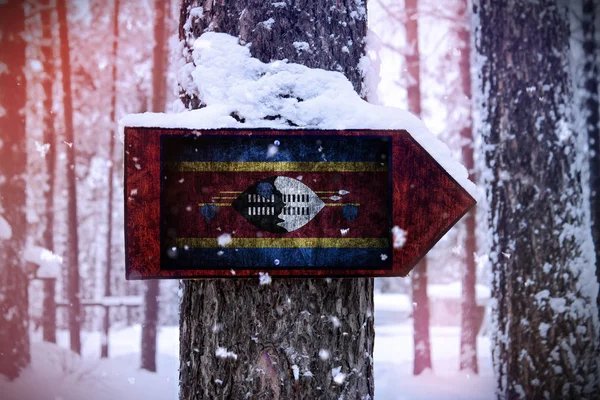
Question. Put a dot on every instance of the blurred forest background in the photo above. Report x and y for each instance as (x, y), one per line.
(90, 62)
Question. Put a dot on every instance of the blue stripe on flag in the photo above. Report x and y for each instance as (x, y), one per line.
(250, 258)
(255, 148)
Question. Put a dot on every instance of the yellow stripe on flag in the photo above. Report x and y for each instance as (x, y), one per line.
(285, 166)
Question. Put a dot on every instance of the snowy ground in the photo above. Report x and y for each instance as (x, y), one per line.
(58, 375)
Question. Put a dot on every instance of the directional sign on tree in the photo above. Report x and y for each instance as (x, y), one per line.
(233, 203)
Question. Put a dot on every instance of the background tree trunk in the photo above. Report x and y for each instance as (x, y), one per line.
(544, 284)
(469, 310)
(111, 173)
(418, 277)
(73, 238)
(421, 315)
(159, 88)
(309, 325)
(47, 49)
(14, 318)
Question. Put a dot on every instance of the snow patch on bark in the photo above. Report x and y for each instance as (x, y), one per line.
(267, 24)
(301, 46)
(370, 67)
(338, 376)
(222, 352)
(324, 354)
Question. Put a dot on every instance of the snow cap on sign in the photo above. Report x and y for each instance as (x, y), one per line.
(243, 92)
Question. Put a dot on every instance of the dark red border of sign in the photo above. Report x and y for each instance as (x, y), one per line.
(436, 202)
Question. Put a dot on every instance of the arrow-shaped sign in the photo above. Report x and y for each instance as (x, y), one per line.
(233, 203)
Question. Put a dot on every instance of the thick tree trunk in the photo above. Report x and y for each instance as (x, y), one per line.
(111, 173)
(592, 116)
(47, 48)
(544, 284)
(159, 88)
(289, 337)
(469, 310)
(73, 237)
(14, 317)
(418, 278)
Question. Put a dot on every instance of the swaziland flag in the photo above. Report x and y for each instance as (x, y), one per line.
(258, 200)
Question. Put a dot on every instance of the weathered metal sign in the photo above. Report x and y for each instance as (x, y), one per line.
(224, 203)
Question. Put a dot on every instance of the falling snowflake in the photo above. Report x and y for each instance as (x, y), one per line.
(224, 239)
(399, 237)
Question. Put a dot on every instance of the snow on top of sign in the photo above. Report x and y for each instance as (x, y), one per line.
(242, 92)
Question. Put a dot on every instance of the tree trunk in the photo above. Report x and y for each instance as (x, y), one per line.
(14, 317)
(160, 55)
(149, 327)
(421, 337)
(592, 117)
(49, 310)
(159, 88)
(73, 238)
(469, 310)
(289, 336)
(110, 173)
(47, 48)
(418, 278)
(544, 284)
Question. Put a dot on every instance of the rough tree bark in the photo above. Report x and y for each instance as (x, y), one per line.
(47, 49)
(469, 310)
(421, 315)
(418, 277)
(14, 317)
(73, 237)
(159, 97)
(306, 325)
(544, 284)
(111, 176)
(592, 116)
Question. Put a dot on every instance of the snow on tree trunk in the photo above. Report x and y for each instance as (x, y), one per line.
(14, 318)
(422, 347)
(469, 310)
(592, 115)
(47, 49)
(73, 295)
(544, 283)
(292, 338)
(159, 89)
